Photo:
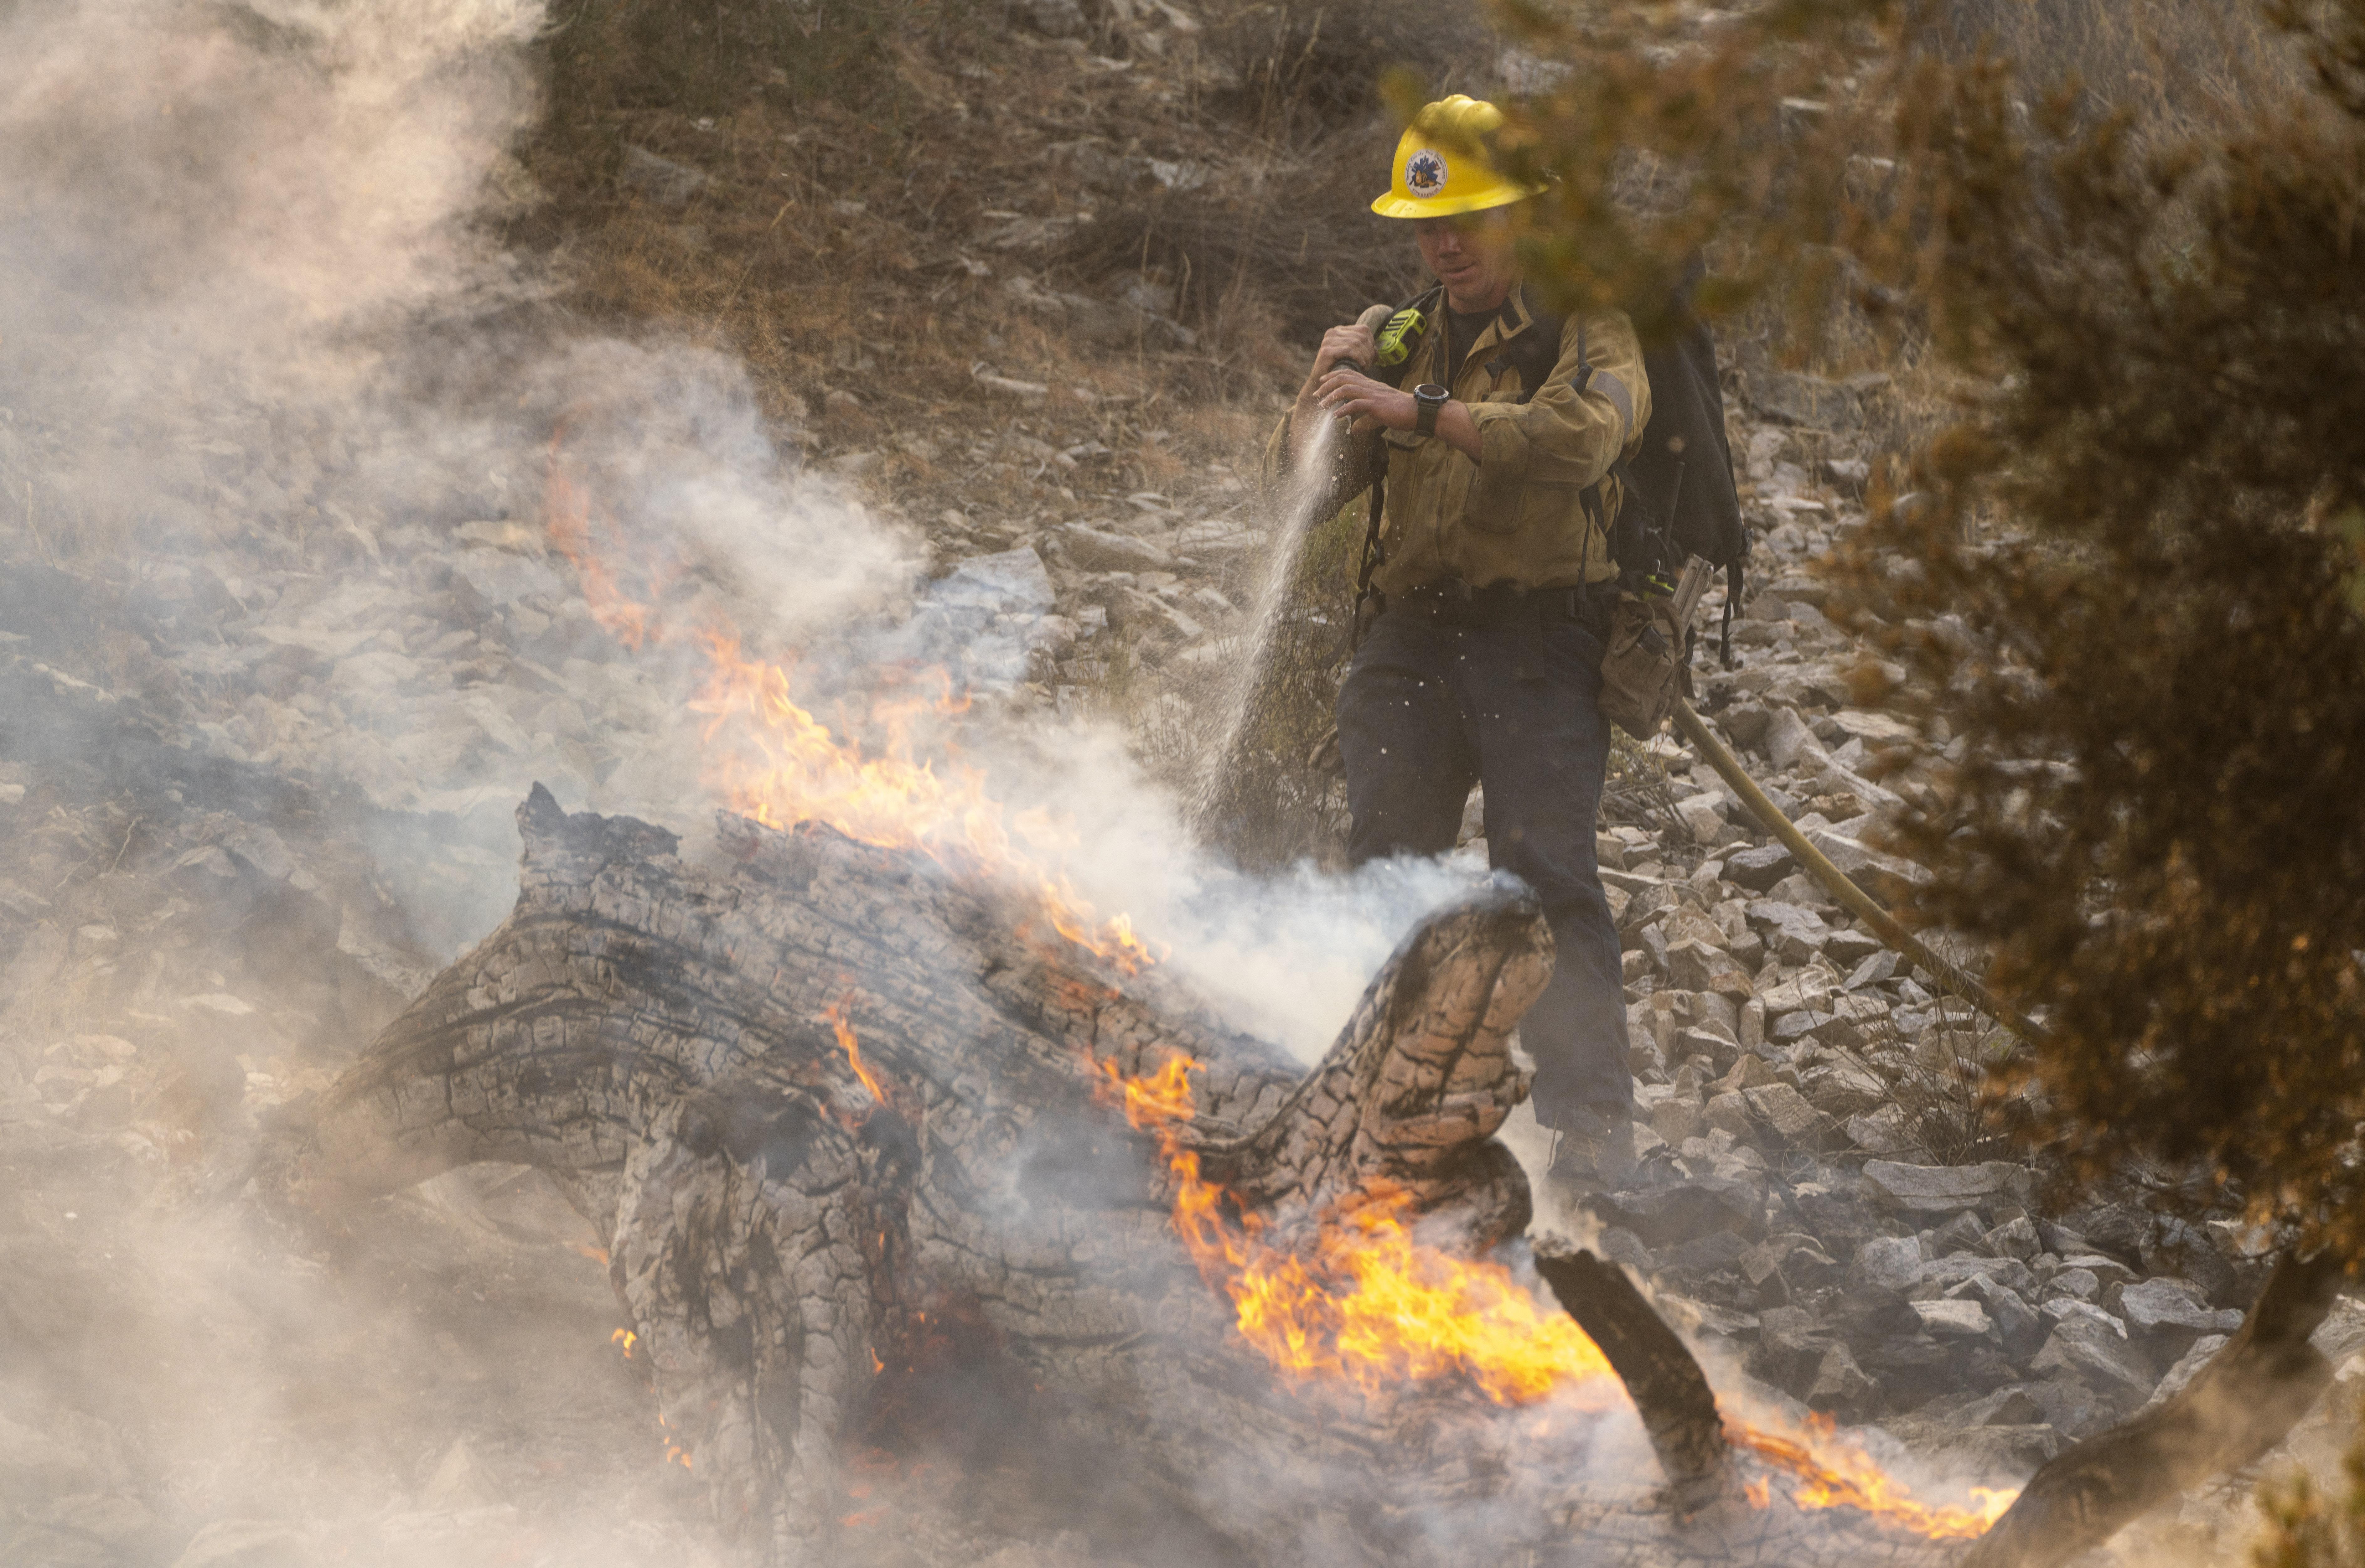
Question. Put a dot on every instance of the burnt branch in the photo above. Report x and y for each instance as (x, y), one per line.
(2239, 1406)
(1665, 1383)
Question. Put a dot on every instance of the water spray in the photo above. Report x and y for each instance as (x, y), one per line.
(1311, 490)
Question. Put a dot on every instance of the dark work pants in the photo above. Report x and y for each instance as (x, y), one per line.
(1427, 710)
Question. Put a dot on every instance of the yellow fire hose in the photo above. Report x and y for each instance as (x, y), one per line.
(1860, 904)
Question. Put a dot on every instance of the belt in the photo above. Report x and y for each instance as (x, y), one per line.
(1450, 601)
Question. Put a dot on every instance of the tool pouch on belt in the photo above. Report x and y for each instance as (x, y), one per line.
(1649, 636)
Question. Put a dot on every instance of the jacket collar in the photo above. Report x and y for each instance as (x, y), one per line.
(1511, 318)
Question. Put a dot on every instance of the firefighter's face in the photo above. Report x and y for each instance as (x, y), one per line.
(1473, 255)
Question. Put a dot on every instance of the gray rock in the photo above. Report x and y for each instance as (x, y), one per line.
(1880, 1132)
(2085, 1349)
(2078, 1285)
(2187, 1366)
(1839, 1387)
(1758, 870)
(1850, 947)
(1745, 724)
(1998, 1450)
(1876, 967)
(2162, 1310)
(1845, 1087)
(1912, 1367)
(1890, 878)
(1703, 814)
(2072, 1408)
(2011, 1406)
(2019, 1326)
(1794, 398)
(2061, 1308)
(504, 577)
(1799, 889)
(1945, 1189)
(2341, 1335)
(1680, 1211)
(2107, 1270)
(1793, 933)
(1954, 1316)
(1696, 965)
(1963, 1233)
(1708, 1255)
(2015, 1237)
(660, 180)
(2172, 1246)
(1097, 551)
(1788, 738)
(1789, 1114)
(1885, 1265)
(1939, 1276)
(1009, 583)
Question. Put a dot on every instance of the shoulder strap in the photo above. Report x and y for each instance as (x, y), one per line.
(1372, 556)
(1534, 352)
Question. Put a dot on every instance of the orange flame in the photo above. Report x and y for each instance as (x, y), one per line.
(1375, 1305)
(772, 760)
(1830, 1471)
(1379, 1307)
(625, 1340)
(837, 1015)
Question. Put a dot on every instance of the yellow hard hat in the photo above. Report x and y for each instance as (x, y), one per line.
(1441, 166)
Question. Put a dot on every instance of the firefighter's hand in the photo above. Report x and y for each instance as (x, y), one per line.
(1370, 403)
(1353, 340)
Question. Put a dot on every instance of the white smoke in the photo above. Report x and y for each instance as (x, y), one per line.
(260, 353)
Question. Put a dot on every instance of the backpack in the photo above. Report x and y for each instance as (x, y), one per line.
(1679, 496)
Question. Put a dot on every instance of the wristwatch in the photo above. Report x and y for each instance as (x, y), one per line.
(1428, 398)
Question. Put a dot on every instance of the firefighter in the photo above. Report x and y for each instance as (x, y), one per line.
(1492, 443)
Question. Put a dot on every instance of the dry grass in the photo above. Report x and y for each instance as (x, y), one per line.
(2179, 67)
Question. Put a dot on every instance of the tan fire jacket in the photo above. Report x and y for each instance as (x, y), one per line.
(1516, 514)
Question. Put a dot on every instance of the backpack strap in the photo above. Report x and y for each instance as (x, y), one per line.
(1374, 556)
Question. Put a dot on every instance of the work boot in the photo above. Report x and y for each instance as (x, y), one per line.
(1593, 1152)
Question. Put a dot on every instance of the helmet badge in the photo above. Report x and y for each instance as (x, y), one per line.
(1424, 173)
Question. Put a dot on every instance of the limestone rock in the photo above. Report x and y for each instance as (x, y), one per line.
(1787, 1114)
(1885, 1265)
(2170, 1310)
(1953, 1317)
(1680, 1211)
(2085, 1349)
(1793, 933)
(1945, 1189)
(1759, 869)
(1096, 550)
(1697, 966)
(1840, 1387)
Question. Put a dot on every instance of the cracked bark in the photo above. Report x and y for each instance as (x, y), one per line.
(800, 1258)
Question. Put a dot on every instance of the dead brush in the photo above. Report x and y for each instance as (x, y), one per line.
(1637, 790)
(1293, 248)
(1954, 1094)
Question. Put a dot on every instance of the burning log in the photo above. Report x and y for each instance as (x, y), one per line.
(849, 1120)
(1669, 1390)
